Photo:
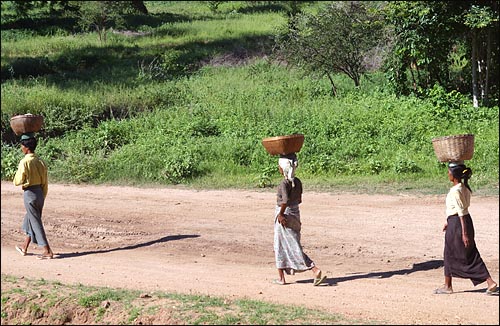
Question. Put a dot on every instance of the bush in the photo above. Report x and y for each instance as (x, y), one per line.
(11, 155)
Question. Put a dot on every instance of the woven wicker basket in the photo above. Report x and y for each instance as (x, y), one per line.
(282, 145)
(454, 148)
(25, 123)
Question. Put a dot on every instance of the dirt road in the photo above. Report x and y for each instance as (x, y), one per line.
(382, 254)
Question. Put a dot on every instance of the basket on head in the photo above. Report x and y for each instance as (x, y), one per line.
(26, 123)
(282, 145)
(454, 148)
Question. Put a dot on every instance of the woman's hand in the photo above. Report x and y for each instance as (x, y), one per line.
(465, 239)
(465, 236)
(445, 226)
(282, 219)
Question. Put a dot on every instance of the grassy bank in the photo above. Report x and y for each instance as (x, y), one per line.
(30, 301)
(189, 100)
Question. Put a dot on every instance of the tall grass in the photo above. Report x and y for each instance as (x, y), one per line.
(190, 102)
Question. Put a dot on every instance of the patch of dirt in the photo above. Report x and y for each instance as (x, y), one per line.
(382, 253)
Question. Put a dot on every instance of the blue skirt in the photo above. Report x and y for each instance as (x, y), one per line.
(32, 223)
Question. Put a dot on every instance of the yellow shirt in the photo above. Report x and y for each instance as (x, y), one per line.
(32, 171)
(458, 200)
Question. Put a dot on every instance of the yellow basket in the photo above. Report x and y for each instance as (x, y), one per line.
(454, 148)
(283, 145)
(25, 123)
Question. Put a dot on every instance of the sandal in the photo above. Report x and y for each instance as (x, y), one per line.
(21, 250)
(492, 289)
(443, 290)
(319, 279)
(45, 257)
(279, 282)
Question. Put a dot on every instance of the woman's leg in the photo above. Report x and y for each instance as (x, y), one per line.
(446, 288)
(47, 251)
(316, 271)
(448, 282)
(491, 283)
(26, 243)
(318, 278)
(281, 274)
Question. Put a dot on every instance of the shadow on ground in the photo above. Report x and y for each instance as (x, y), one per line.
(418, 267)
(139, 245)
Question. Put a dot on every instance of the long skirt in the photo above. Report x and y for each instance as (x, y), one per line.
(287, 248)
(460, 261)
(32, 223)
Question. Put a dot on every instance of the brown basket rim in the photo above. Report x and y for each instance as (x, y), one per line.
(268, 139)
(27, 115)
(451, 137)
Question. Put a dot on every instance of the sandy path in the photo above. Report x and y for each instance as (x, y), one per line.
(382, 254)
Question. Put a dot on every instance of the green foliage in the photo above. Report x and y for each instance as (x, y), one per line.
(11, 156)
(181, 162)
(427, 34)
(480, 17)
(423, 40)
(100, 15)
(190, 103)
(336, 40)
(265, 179)
(447, 105)
(405, 165)
(214, 5)
(94, 299)
(186, 309)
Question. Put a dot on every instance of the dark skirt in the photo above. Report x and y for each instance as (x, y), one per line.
(460, 261)
(32, 223)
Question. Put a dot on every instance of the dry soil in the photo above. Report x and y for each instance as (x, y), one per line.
(382, 253)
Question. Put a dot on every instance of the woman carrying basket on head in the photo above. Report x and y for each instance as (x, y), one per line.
(290, 258)
(31, 175)
(461, 256)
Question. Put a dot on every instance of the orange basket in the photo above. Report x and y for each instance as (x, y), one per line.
(282, 145)
(454, 148)
(25, 123)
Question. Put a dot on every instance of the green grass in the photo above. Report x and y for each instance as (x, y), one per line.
(152, 110)
(126, 307)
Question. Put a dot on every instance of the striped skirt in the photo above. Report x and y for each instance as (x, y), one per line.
(287, 248)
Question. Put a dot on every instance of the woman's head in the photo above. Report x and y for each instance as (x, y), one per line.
(29, 144)
(287, 165)
(460, 172)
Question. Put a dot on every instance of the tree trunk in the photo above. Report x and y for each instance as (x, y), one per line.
(413, 66)
(140, 7)
(334, 89)
(475, 90)
(488, 67)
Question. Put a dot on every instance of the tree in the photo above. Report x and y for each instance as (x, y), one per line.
(214, 5)
(336, 40)
(99, 15)
(103, 14)
(423, 39)
(23, 8)
(483, 24)
(426, 35)
(140, 7)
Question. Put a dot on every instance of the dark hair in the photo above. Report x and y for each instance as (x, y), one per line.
(29, 143)
(461, 172)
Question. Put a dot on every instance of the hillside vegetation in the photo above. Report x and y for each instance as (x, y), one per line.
(186, 95)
